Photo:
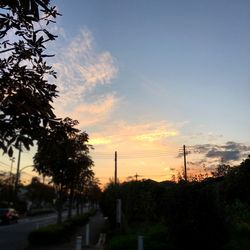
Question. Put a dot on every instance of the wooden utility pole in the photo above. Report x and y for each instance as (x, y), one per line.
(12, 159)
(185, 163)
(115, 167)
(17, 172)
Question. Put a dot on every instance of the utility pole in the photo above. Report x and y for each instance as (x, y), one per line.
(185, 163)
(17, 171)
(12, 159)
(115, 167)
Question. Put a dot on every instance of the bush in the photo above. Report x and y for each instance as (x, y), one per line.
(195, 218)
(123, 242)
(53, 234)
(47, 235)
(154, 238)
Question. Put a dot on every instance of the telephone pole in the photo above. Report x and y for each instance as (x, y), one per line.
(12, 159)
(115, 167)
(17, 172)
(185, 163)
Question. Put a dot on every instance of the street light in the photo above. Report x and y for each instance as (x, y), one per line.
(18, 177)
(11, 180)
(19, 173)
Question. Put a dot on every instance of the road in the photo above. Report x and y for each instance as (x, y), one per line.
(14, 236)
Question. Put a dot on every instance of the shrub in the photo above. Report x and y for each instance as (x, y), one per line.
(123, 242)
(47, 235)
(55, 233)
(195, 218)
(154, 238)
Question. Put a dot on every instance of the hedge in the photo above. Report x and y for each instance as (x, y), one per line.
(55, 233)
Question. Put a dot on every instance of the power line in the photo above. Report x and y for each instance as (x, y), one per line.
(136, 152)
(136, 156)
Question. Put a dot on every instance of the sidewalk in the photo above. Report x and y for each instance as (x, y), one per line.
(97, 224)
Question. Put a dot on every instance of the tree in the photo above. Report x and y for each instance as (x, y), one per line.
(6, 187)
(93, 190)
(39, 193)
(78, 173)
(62, 155)
(236, 185)
(25, 94)
(221, 170)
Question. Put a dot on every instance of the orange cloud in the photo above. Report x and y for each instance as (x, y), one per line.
(144, 135)
(89, 114)
(147, 148)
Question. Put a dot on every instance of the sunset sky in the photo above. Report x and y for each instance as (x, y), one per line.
(144, 77)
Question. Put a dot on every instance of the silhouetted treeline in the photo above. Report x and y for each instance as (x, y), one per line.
(197, 215)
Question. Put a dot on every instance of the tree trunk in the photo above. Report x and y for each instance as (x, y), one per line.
(81, 203)
(77, 205)
(59, 207)
(71, 199)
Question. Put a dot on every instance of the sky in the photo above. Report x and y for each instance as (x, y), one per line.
(145, 77)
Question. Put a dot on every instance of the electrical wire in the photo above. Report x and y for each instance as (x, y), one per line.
(136, 155)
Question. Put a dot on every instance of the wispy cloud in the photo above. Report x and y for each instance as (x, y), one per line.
(80, 71)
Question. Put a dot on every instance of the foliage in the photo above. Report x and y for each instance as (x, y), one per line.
(6, 187)
(236, 185)
(123, 242)
(39, 193)
(62, 151)
(210, 213)
(108, 202)
(93, 191)
(153, 235)
(25, 94)
(192, 213)
(55, 233)
(221, 170)
(140, 200)
(63, 155)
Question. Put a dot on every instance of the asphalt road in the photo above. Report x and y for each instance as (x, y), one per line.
(14, 236)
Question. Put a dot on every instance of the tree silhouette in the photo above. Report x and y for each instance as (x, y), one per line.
(63, 155)
(25, 94)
